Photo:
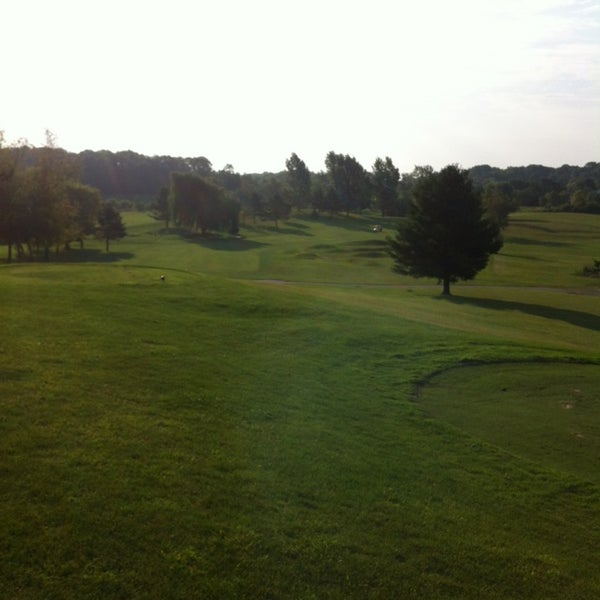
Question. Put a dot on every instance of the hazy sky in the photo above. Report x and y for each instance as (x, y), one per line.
(248, 82)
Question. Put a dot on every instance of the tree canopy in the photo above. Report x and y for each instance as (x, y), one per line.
(446, 234)
(349, 182)
(299, 180)
(42, 203)
(384, 180)
(198, 203)
(110, 224)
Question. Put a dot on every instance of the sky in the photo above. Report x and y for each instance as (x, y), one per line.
(249, 82)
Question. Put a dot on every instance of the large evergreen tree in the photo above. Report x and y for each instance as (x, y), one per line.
(446, 234)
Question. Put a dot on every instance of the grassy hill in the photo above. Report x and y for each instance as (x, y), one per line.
(347, 434)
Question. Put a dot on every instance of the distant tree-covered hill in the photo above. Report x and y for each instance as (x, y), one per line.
(128, 175)
(135, 176)
(132, 177)
(563, 188)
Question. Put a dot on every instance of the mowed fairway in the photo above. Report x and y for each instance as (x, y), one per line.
(347, 434)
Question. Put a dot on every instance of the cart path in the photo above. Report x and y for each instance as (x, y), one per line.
(559, 290)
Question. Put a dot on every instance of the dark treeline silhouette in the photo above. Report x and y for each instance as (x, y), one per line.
(50, 197)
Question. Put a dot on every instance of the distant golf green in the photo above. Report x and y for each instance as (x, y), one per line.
(546, 413)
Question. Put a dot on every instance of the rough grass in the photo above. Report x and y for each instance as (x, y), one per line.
(208, 437)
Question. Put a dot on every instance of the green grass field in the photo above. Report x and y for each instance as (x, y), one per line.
(283, 417)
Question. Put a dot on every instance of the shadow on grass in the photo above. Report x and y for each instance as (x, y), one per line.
(288, 229)
(368, 243)
(368, 248)
(526, 224)
(95, 255)
(530, 242)
(573, 317)
(228, 244)
(522, 256)
(359, 249)
(299, 226)
(353, 222)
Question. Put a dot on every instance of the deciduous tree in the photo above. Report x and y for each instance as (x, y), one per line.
(385, 178)
(160, 208)
(499, 202)
(349, 181)
(85, 202)
(299, 181)
(110, 224)
(198, 203)
(11, 214)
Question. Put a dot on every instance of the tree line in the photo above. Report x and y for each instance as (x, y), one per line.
(50, 197)
(345, 186)
(134, 178)
(44, 206)
(566, 188)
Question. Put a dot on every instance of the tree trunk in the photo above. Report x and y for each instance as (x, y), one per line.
(446, 291)
(9, 257)
(107, 243)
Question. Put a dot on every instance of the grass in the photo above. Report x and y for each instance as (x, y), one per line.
(213, 436)
(545, 413)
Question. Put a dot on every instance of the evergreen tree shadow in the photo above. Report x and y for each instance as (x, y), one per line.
(573, 317)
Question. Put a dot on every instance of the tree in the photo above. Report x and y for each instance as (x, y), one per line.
(43, 191)
(385, 179)
(228, 179)
(274, 204)
(349, 182)
(11, 213)
(277, 208)
(197, 202)
(498, 202)
(446, 234)
(85, 202)
(161, 209)
(299, 180)
(110, 224)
